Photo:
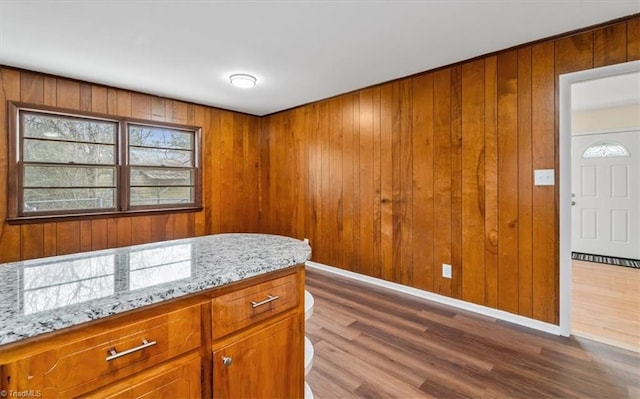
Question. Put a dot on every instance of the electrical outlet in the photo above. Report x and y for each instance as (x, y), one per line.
(446, 270)
(544, 177)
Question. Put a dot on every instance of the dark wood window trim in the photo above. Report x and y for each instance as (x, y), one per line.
(122, 208)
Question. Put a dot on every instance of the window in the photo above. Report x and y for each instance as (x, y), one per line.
(64, 164)
(605, 150)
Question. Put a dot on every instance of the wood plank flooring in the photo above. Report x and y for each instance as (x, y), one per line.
(375, 343)
(606, 304)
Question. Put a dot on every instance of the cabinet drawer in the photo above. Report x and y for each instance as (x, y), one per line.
(239, 309)
(101, 358)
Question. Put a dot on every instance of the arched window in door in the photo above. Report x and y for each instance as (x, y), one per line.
(605, 150)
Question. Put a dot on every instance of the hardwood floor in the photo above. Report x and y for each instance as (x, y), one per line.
(606, 304)
(374, 343)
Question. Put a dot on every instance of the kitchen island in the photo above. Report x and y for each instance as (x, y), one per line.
(191, 317)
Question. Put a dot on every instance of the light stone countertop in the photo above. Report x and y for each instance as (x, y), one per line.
(44, 295)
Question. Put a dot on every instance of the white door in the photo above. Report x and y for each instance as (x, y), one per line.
(605, 179)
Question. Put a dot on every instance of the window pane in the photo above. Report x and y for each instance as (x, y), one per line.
(161, 195)
(49, 199)
(151, 136)
(65, 128)
(68, 176)
(61, 152)
(159, 157)
(161, 177)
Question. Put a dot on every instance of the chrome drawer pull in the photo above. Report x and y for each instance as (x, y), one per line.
(270, 298)
(113, 354)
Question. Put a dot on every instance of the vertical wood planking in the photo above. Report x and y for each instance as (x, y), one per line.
(406, 183)
(456, 183)
(525, 184)
(38, 239)
(609, 45)
(31, 88)
(50, 235)
(377, 179)
(67, 94)
(442, 177)
(473, 279)
(544, 263)
(85, 235)
(400, 273)
(633, 39)
(365, 189)
(334, 226)
(67, 238)
(226, 172)
(349, 193)
(508, 181)
(422, 156)
(212, 150)
(9, 235)
(32, 241)
(386, 181)
(491, 181)
(99, 234)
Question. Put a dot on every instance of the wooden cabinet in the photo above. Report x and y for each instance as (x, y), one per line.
(72, 364)
(266, 364)
(175, 350)
(176, 379)
(248, 306)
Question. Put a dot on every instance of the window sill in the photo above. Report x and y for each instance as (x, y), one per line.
(97, 215)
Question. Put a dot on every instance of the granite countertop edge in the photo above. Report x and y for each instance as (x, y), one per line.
(23, 327)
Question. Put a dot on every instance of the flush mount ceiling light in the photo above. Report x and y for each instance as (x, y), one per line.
(242, 80)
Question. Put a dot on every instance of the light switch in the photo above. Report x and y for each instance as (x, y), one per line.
(544, 177)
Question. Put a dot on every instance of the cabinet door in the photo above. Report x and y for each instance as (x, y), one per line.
(177, 379)
(267, 364)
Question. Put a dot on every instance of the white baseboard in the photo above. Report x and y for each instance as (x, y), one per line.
(457, 303)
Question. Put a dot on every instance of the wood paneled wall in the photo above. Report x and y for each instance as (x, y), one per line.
(230, 170)
(395, 180)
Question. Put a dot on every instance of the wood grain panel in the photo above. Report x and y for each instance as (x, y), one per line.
(473, 278)
(508, 181)
(491, 181)
(525, 187)
(32, 241)
(442, 177)
(67, 238)
(609, 45)
(386, 181)
(67, 94)
(9, 235)
(85, 235)
(349, 193)
(574, 53)
(31, 87)
(365, 198)
(633, 39)
(422, 206)
(492, 123)
(85, 97)
(98, 234)
(545, 263)
(456, 183)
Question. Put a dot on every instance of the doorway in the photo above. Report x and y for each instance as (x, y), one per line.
(600, 202)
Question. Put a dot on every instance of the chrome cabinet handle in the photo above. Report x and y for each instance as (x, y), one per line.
(270, 298)
(113, 354)
(227, 360)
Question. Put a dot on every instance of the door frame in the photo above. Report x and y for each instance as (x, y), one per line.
(564, 206)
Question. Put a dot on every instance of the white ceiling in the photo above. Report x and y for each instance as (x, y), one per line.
(300, 51)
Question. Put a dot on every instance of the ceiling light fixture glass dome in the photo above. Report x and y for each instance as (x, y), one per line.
(243, 80)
